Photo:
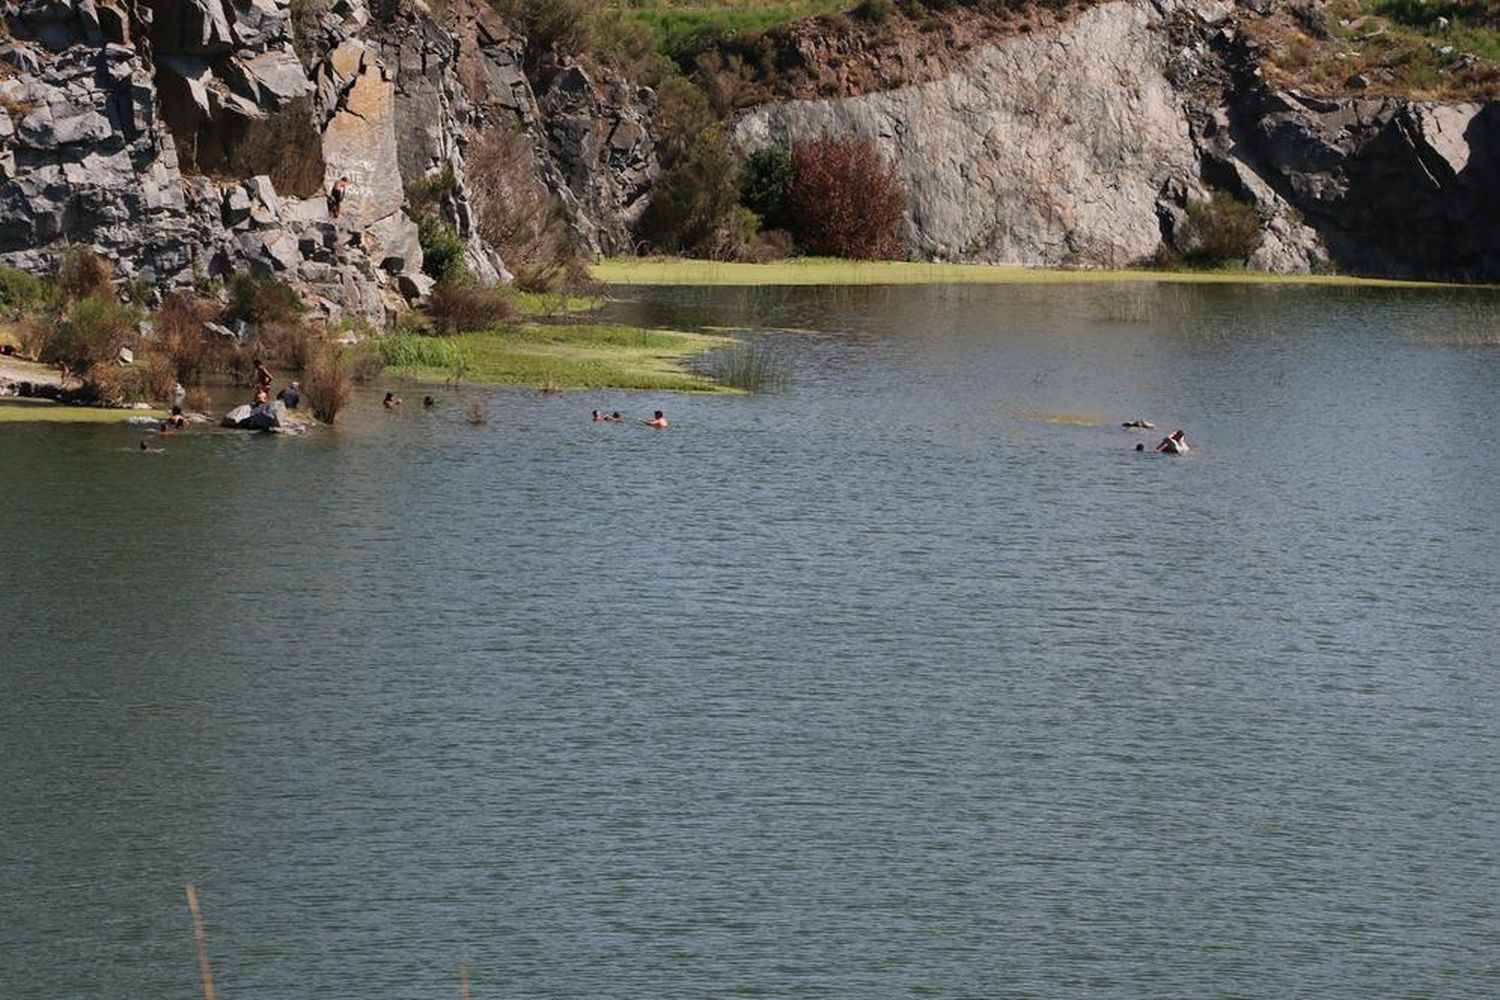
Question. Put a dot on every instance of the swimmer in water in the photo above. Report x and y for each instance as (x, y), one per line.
(598, 416)
(1138, 425)
(1174, 444)
(391, 401)
(146, 449)
(428, 402)
(657, 421)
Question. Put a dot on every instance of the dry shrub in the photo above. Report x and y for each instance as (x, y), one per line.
(365, 362)
(844, 200)
(83, 273)
(150, 380)
(292, 345)
(197, 400)
(179, 323)
(462, 305)
(518, 216)
(327, 386)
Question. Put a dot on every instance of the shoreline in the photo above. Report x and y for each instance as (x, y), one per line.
(832, 271)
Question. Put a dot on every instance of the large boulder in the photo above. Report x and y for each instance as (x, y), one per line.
(263, 417)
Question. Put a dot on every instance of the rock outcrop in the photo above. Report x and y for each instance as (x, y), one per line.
(188, 140)
(1084, 145)
(1044, 149)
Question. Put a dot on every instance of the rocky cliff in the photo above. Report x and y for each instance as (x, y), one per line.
(189, 139)
(1085, 143)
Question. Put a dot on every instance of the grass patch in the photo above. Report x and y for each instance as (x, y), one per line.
(587, 356)
(750, 366)
(16, 410)
(828, 271)
(681, 26)
(413, 351)
(532, 305)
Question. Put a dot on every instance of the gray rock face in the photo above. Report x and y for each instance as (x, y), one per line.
(183, 138)
(1396, 188)
(1046, 149)
(1085, 144)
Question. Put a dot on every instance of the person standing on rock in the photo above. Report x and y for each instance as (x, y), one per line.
(263, 376)
(336, 197)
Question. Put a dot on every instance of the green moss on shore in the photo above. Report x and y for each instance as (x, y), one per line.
(583, 356)
(15, 410)
(826, 271)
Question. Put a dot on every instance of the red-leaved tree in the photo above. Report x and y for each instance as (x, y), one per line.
(843, 199)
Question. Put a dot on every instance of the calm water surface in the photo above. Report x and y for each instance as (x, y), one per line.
(911, 680)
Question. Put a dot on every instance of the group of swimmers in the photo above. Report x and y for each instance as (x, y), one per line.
(613, 417)
(1174, 443)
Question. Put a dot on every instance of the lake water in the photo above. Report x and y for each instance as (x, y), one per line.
(910, 680)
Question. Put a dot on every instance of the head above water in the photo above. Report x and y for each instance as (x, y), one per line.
(658, 414)
(390, 396)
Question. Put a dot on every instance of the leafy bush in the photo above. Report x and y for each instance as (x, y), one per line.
(82, 273)
(1219, 231)
(844, 200)
(327, 386)
(262, 300)
(763, 184)
(874, 11)
(442, 247)
(459, 305)
(22, 290)
(90, 331)
(693, 206)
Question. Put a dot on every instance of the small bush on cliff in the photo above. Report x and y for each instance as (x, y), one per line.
(442, 247)
(83, 273)
(262, 300)
(844, 200)
(1219, 231)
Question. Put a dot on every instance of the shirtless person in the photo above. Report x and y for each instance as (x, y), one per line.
(1174, 444)
(656, 421)
(336, 197)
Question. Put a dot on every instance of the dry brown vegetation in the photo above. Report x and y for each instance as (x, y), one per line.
(518, 216)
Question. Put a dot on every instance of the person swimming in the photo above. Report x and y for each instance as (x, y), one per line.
(391, 401)
(614, 416)
(176, 421)
(1140, 446)
(1138, 425)
(146, 449)
(597, 416)
(657, 421)
(1174, 444)
(428, 402)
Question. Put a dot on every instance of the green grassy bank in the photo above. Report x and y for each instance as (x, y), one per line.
(16, 410)
(827, 271)
(581, 356)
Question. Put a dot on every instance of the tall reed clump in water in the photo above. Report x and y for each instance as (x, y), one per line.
(753, 366)
(327, 386)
